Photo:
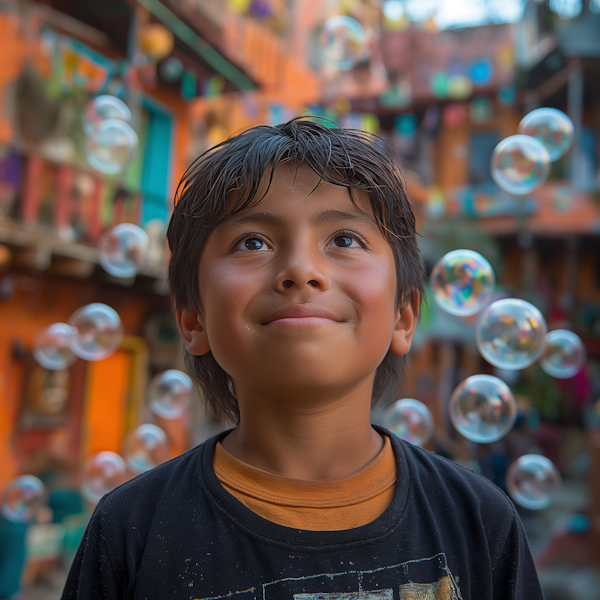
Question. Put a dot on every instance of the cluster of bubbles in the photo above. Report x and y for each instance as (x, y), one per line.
(111, 141)
(343, 43)
(124, 250)
(511, 335)
(521, 163)
(93, 332)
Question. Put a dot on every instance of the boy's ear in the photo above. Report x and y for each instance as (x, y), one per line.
(193, 332)
(406, 323)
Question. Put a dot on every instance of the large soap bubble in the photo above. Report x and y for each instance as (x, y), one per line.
(462, 282)
(124, 250)
(22, 498)
(102, 473)
(145, 448)
(410, 420)
(520, 164)
(564, 354)
(531, 481)
(483, 409)
(52, 347)
(510, 334)
(169, 394)
(102, 108)
(552, 127)
(343, 42)
(112, 146)
(99, 331)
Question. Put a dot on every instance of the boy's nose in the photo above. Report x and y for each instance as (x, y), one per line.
(301, 273)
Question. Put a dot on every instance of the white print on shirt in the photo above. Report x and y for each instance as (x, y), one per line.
(420, 579)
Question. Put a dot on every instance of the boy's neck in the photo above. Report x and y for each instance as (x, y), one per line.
(323, 443)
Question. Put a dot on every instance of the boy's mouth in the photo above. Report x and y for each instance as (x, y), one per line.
(301, 315)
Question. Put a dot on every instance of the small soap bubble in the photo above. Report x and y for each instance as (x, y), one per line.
(410, 420)
(102, 108)
(102, 473)
(552, 127)
(145, 448)
(343, 42)
(52, 347)
(99, 331)
(520, 163)
(22, 498)
(531, 480)
(483, 409)
(169, 394)
(564, 354)
(124, 250)
(171, 69)
(510, 334)
(112, 146)
(462, 282)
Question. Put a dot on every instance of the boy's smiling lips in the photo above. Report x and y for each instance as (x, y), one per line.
(301, 315)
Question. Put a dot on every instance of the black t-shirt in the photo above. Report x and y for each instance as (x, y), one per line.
(175, 532)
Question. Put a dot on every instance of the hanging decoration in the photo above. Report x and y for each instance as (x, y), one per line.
(454, 115)
(481, 109)
(156, 41)
(482, 71)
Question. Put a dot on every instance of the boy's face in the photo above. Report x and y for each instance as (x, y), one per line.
(299, 294)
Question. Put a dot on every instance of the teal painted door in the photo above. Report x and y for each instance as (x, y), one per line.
(157, 160)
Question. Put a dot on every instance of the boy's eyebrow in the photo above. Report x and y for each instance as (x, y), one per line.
(326, 216)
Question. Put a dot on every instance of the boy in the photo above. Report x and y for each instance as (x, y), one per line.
(297, 280)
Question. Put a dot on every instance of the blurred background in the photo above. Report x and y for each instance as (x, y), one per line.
(443, 81)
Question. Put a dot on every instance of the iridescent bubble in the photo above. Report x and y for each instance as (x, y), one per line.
(52, 347)
(102, 473)
(510, 334)
(99, 331)
(169, 394)
(462, 282)
(531, 481)
(124, 250)
(145, 448)
(519, 164)
(22, 498)
(171, 69)
(564, 354)
(551, 127)
(111, 146)
(343, 42)
(102, 108)
(483, 409)
(410, 420)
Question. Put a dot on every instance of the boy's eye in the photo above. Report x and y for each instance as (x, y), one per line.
(252, 244)
(345, 241)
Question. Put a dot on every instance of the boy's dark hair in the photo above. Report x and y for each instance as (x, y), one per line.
(204, 199)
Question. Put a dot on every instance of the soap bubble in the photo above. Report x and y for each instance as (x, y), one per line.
(169, 394)
(124, 250)
(22, 498)
(145, 448)
(531, 480)
(552, 127)
(519, 164)
(102, 108)
(510, 334)
(410, 420)
(171, 69)
(343, 42)
(462, 282)
(99, 331)
(112, 146)
(483, 409)
(52, 347)
(564, 354)
(102, 473)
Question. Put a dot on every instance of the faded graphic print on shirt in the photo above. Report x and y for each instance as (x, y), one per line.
(421, 579)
